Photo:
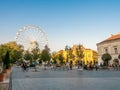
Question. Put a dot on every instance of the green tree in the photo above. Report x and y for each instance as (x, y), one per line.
(45, 55)
(16, 51)
(3, 50)
(6, 60)
(27, 55)
(106, 58)
(119, 56)
(35, 53)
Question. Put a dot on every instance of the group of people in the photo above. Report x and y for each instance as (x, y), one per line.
(66, 66)
(25, 66)
(88, 66)
(52, 66)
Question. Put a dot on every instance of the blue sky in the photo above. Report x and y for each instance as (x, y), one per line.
(66, 22)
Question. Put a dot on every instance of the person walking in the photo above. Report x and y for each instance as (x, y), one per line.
(24, 66)
(96, 66)
(67, 65)
(71, 65)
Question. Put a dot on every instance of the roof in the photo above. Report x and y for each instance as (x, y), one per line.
(112, 37)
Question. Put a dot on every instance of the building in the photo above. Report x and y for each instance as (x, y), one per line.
(110, 45)
(90, 56)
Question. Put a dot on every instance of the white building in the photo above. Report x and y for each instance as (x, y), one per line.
(110, 45)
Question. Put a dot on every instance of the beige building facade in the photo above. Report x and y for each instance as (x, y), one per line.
(110, 45)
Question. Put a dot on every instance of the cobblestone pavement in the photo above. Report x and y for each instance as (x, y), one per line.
(65, 80)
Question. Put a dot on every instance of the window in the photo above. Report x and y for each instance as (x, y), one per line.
(89, 55)
(115, 49)
(106, 50)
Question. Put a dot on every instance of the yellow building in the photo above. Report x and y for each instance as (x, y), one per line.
(90, 56)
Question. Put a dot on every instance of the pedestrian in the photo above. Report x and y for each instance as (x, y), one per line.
(71, 65)
(67, 65)
(24, 66)
(78, 63)
(96, 66)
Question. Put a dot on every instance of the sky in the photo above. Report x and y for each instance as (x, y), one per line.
(65, 22)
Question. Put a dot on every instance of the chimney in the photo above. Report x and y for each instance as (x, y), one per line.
(111, 34)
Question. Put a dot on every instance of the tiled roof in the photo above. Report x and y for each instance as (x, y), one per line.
(113, 37)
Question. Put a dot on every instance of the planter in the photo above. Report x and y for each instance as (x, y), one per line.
(1, 77)
(10, 67)
(4, 70)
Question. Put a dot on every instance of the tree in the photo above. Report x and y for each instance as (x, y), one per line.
(3, 50)
(54, 57)
(119, 56)
(45, 55)
(79, 52)
(27, 55)
(67, 49)
(106, 57)
(61, 58)
(35, 53)
(16, 51)
(70, 54)
(6, 60)
(15, 55)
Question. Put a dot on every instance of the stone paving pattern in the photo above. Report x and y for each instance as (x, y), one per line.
(65, 80)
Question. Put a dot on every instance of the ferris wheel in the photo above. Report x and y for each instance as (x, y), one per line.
(30, 37)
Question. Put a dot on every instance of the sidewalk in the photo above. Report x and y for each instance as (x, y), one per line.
(5, 84)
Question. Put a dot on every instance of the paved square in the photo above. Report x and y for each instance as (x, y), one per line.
(65, 80)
